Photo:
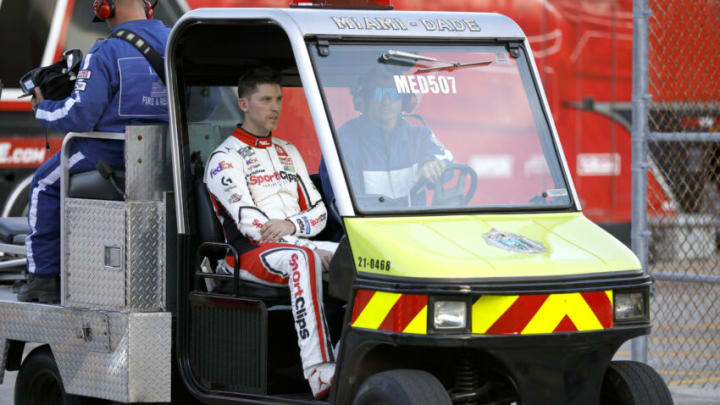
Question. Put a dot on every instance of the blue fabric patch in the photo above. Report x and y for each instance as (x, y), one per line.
(140, 97)
(307, 225)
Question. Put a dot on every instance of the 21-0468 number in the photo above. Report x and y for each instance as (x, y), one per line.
(373, 264)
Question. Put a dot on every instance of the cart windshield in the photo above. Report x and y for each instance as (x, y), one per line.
(439, 126)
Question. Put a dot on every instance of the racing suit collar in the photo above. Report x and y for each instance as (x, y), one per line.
(252, 140)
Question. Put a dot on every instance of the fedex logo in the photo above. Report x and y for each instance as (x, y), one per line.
(220, 167)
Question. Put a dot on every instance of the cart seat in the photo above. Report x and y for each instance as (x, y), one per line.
(13, 230)
(92, 185)
(210, 230)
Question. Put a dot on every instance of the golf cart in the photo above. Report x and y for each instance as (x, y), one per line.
(482, 284)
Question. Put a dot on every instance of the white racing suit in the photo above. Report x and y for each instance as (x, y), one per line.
(252, 180)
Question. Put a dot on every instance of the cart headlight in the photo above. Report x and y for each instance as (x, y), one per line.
(450, 314)
(630, 306)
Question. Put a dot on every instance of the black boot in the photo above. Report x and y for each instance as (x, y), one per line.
(44, 290)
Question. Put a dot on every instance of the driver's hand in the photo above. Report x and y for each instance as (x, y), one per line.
(37, 97)
(432, 170)
(275, 229)
(325, 257)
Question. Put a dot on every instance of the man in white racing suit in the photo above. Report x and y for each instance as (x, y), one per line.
(268, 206)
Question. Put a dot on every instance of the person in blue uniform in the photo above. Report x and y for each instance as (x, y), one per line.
(115, 87)
(384, 153)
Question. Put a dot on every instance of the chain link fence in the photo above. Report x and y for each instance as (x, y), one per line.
(679, 102)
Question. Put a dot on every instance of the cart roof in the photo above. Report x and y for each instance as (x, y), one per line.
(374, 23)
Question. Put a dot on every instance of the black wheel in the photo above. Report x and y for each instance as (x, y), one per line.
(402, 387)
(633, 383)
(39, 383)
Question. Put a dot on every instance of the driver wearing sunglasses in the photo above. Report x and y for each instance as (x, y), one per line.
(385, 153)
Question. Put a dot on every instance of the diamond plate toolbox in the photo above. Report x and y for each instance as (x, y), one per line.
(114, 255)
(111, 355)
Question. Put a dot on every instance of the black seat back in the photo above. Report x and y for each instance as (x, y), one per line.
(93, 186)
(209, 228)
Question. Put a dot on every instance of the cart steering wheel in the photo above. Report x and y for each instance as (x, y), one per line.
(454, 195)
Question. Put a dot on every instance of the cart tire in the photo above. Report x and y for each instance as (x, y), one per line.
(39, 383)
(402, 387)
(633, 383)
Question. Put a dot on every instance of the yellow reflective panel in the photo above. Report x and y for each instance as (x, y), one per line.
(418, 324)
(556, 307)
(488, 309)
(376, 310)
(485, 246)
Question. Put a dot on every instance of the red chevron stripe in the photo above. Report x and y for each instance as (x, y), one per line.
(600, 304)
(362, 297)
(518, 315)
(403, 312)
(566, 325)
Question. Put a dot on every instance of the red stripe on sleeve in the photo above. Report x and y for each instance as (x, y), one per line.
(302, 202)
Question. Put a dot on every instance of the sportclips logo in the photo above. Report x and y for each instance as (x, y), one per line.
(21, 154)
(259, 180)
(317, 220)
(300, 311)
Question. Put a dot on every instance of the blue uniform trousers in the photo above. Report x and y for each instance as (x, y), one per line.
(43, 242)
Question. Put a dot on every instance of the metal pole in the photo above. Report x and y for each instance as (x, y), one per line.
(687, 278)
(685, 136)
(640, 132)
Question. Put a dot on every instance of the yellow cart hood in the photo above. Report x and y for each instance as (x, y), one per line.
(486, 246)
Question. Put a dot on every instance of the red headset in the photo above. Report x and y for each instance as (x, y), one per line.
(105, 9)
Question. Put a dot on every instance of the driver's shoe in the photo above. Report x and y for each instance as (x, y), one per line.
(320, 377)
(44, 290)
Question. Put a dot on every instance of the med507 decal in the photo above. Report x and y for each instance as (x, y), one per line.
(432, 84)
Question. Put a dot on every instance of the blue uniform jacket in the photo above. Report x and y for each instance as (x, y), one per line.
(116, 87)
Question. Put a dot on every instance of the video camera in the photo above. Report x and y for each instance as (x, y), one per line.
(56, 81)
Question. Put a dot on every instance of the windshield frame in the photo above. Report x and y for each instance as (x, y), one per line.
(527, 72)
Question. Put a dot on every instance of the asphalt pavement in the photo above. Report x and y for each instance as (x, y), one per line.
(668, 353)
(682, 396)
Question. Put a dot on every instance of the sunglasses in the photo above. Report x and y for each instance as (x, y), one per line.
(379, 93)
